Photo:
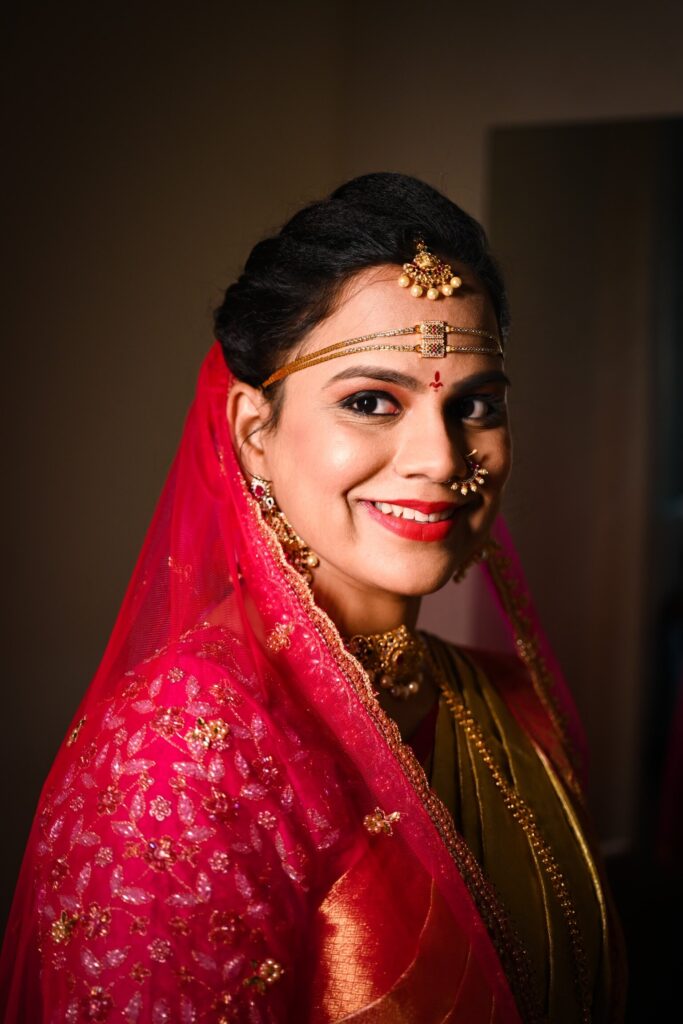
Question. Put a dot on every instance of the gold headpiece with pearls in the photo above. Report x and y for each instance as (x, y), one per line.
(427, 273)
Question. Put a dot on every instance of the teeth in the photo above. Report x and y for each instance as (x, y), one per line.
(403, 512)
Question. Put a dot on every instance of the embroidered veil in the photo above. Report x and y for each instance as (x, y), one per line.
(214, 788)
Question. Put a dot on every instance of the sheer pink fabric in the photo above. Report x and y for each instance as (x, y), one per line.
(200, 850)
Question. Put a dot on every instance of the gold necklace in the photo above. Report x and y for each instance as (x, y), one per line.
(394, 660)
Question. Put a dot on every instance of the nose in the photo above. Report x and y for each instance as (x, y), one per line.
(428, 447)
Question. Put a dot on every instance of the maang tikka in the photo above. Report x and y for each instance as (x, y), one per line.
(427, 273)
(296, 551)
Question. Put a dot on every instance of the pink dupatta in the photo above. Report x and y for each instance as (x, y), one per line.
(231, 801)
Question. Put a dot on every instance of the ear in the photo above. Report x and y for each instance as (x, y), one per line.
(248, 412)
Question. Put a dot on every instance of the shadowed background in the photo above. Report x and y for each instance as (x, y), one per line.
(148, 147)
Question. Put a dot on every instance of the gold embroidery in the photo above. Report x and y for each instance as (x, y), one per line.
(267, 973)
(73, 736)
(379, 822)
(63, 928)
(514, 957)
(279, 638)
(208, 734)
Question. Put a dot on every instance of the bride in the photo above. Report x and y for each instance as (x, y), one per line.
(278, 800)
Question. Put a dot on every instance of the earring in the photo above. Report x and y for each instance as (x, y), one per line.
(296, 551)
(476, 478)
(478, 556)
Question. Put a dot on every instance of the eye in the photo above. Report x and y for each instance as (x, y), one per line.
(371, 403)
(480, 408)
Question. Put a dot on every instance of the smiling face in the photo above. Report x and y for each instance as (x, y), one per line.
(365, 445)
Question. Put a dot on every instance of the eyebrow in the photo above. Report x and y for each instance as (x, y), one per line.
(404, 380)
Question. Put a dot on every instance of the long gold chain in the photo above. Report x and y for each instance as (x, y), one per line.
(522, 813)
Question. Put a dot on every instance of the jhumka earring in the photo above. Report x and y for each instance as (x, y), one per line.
(296, 551)
(428, 273)
(475, 479)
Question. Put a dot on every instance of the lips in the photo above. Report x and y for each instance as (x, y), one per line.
(410, 528)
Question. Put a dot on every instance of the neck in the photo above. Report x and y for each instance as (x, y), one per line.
(357, 610)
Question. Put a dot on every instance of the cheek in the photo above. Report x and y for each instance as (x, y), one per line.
(497, 452)
(315, 464)
(324, 459)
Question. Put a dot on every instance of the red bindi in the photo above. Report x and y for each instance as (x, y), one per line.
(437, 382)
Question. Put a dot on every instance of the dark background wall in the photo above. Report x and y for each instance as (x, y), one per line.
(147, 147)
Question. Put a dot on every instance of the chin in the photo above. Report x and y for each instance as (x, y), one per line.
(412, 582)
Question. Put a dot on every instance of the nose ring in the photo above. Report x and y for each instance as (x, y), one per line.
(476, 476)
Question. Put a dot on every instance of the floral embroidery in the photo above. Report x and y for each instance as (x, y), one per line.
(219, 805)
(219, 861)
(207, 734)
(188, 748)
(279, 638)
(97, 1005)
(160, 950)
(58, 872)
(160, 808)
(379, 822)
(63, 928)
(266, 819)
(266, 771)
(161, 853)
(168, 721)
(267, 973)
(108, 800)
(104, 856)
(96, 921)
(140, 973)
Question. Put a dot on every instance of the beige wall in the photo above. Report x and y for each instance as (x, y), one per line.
(425, 83)
(149, 149)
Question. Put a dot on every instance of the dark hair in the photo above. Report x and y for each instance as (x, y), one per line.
(291, 281)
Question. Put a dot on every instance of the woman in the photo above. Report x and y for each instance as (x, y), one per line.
(278, 802)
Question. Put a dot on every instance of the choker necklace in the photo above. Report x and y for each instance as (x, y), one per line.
(393, 660)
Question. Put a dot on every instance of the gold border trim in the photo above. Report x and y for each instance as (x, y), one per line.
(513, 956)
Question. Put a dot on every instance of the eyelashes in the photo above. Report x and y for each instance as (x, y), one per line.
(371, 403)
(483, 409)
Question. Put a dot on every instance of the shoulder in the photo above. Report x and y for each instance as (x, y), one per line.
(180, 825)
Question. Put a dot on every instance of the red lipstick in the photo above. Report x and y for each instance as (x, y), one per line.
(409, 528)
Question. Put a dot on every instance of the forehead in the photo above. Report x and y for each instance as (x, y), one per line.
(373, 301)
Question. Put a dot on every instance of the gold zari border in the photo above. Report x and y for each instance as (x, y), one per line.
(513, 956)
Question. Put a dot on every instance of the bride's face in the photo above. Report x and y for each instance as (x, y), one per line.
(364, 432)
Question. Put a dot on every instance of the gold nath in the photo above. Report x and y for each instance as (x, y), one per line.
(432, 346)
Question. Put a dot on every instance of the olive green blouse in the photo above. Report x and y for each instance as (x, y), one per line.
(559, 910)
